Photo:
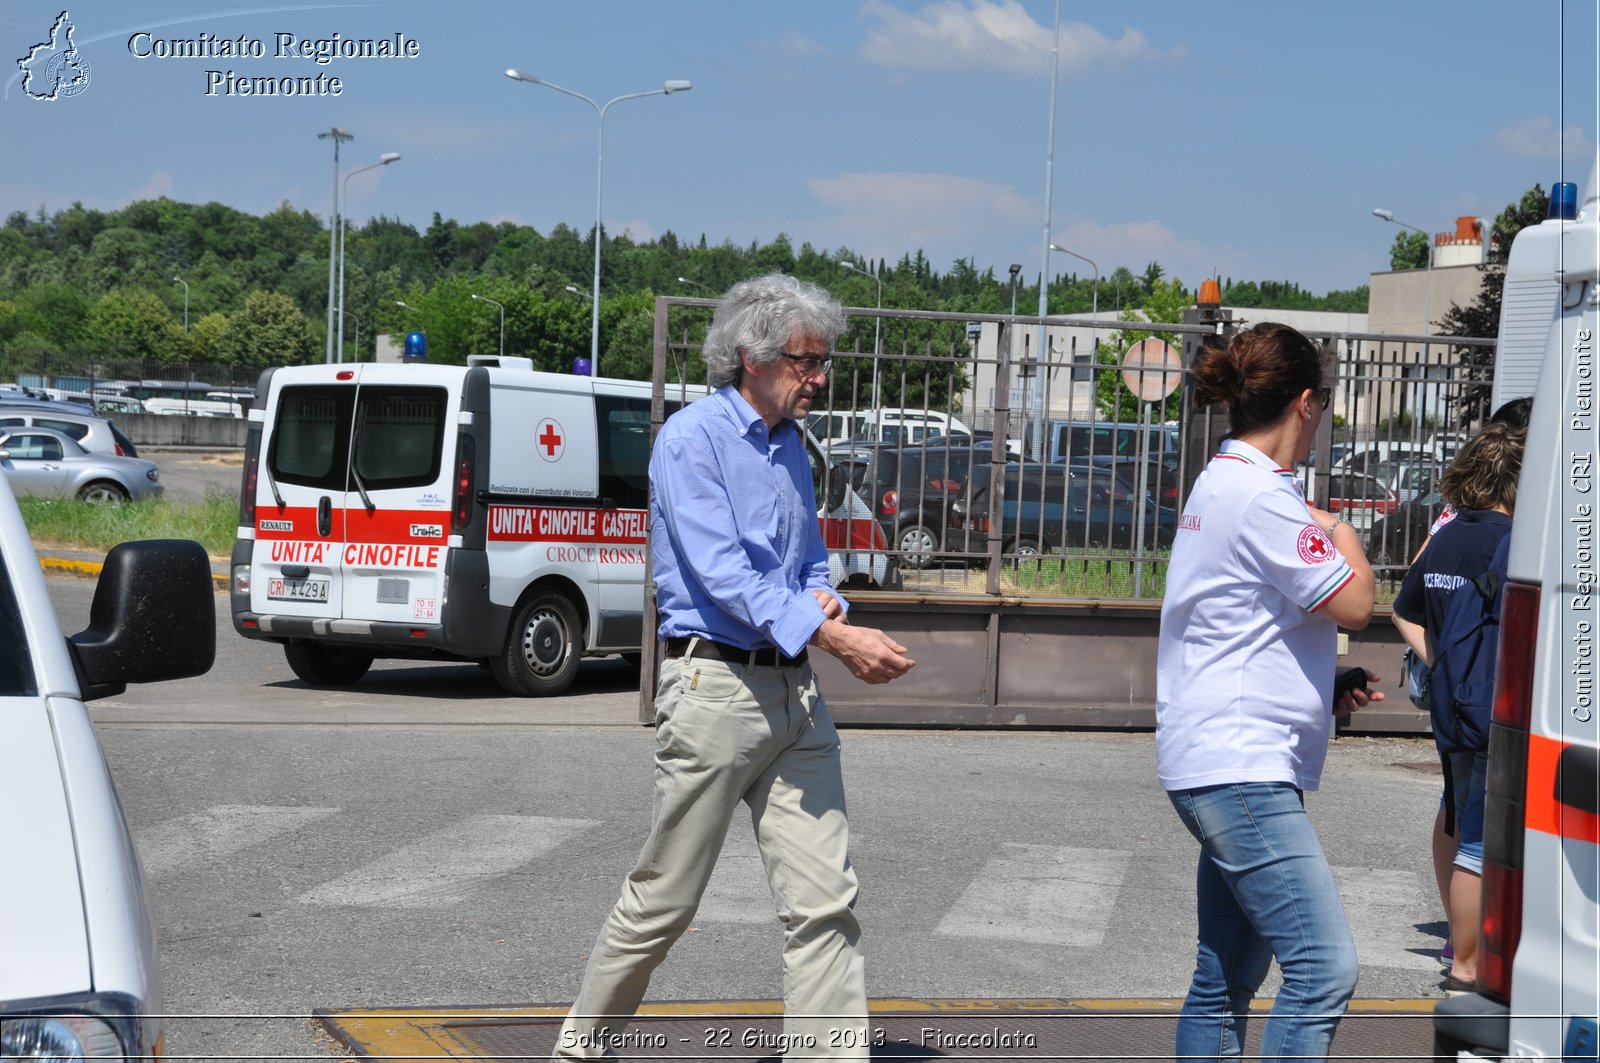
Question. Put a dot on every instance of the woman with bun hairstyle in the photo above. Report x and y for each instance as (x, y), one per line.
(1258, 583)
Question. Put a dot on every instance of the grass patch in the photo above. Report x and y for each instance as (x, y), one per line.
(1089, 577)
(69, 522)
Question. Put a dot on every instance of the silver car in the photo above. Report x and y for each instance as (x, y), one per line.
(96, 434)
(41, 462)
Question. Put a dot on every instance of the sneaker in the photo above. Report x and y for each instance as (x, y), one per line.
(1447, 957)
(1455, 987)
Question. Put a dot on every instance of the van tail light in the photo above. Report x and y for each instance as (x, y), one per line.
(890, 503)
(461, 510)
(120, 452)
(252, 468)
(949, 487)
(1505, 806)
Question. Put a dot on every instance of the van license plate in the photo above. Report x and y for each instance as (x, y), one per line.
(297, 590)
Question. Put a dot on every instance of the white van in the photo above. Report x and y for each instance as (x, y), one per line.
(1539, 951)
(485, 512)
(906, 425)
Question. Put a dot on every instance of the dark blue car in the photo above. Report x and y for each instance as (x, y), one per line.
(1051, 508)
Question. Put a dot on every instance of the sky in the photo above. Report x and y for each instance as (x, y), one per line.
(1245, 139)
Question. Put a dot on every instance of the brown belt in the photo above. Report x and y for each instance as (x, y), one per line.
(766, 657)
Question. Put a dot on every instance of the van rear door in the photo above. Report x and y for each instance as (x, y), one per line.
(300, 492)
(397, 497)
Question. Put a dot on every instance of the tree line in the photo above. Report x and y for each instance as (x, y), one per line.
(169, 282)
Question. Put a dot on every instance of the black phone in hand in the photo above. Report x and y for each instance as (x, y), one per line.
(1349, 679)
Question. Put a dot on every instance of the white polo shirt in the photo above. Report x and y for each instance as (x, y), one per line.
(1244, 684)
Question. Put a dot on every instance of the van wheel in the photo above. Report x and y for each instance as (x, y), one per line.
(325, 666)
(543, 648)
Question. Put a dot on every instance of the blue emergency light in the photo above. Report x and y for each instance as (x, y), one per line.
(1564, 201)
(416, 349)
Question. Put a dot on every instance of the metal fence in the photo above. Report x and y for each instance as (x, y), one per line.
(1030, 502)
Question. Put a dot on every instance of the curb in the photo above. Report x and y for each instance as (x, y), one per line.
(91, 569)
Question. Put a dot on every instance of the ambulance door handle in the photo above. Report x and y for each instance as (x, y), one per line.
(325, 516)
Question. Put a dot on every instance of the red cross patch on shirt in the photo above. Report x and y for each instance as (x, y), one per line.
(1315, 546)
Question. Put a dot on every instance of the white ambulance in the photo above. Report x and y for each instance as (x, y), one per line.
(1539, 950)
(485, 512)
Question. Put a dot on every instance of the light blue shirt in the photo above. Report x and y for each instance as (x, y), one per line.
(734, 538)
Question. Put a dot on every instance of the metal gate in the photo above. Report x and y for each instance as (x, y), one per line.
(1045, 495)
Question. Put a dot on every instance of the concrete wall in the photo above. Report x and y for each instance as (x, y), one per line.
(157, 430)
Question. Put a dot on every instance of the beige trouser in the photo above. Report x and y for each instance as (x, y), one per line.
(726, 734)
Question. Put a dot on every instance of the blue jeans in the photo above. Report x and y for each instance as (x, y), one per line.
(1263, 890)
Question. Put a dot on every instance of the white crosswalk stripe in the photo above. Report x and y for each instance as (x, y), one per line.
(443, 868)
(1384, 908)
(1041, 894)
(202, 839)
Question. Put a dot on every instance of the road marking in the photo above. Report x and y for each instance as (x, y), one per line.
(443, 868)
(200, 839)
(1384, 908)
(1040, 894)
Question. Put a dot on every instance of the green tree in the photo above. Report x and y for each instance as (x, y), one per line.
(1166, 305)
(1481, 317)
(1409, 250)
(270, 330)
(133, 323)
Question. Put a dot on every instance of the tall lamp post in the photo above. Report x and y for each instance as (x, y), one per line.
(1041, 353)
(383, 160)
(336, 135)
(1094, 302)
(502, 306)
(1427, 299)
(667, 88)
(180, 280)
(877, 326)
(343, 313)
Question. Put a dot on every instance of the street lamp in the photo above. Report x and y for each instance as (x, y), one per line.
(383, 160)
(1427, 299)
(667, 88)
(180, 280)
(343, 313)
(409, 307)
(1094, 303)
(579, 292)
(877, 326)
(502, 306)
(697, 284)
(336, 135)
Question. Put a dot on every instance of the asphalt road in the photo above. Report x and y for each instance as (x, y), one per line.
(189, 474)
(421, 839)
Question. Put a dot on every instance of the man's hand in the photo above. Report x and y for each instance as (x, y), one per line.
(872, 656)
(1351, 700)
(832, 609)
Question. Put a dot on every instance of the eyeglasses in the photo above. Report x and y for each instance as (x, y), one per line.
(1324, 396)
(810, 364)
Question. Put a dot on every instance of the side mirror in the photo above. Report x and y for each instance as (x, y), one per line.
(153, 618)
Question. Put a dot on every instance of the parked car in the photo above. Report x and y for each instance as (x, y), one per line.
(1161, 475)
(96, 434)
(1396, 537)
(1359, 499)
(1048, 508)
(80, 978)
(909, 491)
(858, 552)
(44, 463)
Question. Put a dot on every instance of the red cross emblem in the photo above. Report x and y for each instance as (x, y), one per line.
(549, 438)
(1314, 546)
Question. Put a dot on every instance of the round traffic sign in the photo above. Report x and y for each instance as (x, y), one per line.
(1152, 369)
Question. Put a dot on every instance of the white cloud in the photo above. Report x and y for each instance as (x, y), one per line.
(1536, 138)
(793, 45)
(638, 230)
(993, 35)
(890, 213)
